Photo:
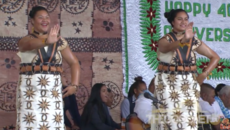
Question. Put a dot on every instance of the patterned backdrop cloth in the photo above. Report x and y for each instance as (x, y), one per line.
(93, 31)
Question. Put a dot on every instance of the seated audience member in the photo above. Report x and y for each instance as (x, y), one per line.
(128, 104)
(218, 88)
(95, 115)
(109, 103)
(224, 101)
(209, 106)
(152, 86)
(143, 107)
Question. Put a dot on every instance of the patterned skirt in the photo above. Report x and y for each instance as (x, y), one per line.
(39, 102)
(179, 95)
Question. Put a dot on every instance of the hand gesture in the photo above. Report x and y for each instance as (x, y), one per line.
(53, 35)
(189, 32)
(69, 91)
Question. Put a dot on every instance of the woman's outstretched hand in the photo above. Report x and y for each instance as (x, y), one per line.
(189, 33)
(53, 35)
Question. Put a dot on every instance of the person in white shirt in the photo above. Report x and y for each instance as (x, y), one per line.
(209, 106)
(143, 107)
(128, 104)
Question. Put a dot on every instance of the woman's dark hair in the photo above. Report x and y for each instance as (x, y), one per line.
(172, 14)
(35, 9)
(94, 100)
(218, 88)
(135, 85)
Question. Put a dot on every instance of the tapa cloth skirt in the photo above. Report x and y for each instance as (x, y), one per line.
(39, 102)
(179, 94)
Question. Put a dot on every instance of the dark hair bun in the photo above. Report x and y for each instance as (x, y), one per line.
(166, 14)
(138, 78)
(31, 13)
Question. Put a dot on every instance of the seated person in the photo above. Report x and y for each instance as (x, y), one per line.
(152, 86)
(109, 103)
(207, 100)
(95, 115)
(128, 104)
(218, 88)
(143, 107)
(209, 106)
(223, 101)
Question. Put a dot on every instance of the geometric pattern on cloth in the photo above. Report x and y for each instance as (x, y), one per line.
(76, 44)
(180, 93)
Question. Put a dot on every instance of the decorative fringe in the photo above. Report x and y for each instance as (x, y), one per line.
(124, 47)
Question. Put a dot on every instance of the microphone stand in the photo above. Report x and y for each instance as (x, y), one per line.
(155, 104)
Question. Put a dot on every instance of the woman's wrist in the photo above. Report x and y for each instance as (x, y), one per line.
(206, 73)
(75, 86)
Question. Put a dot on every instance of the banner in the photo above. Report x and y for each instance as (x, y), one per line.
(143, 23)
